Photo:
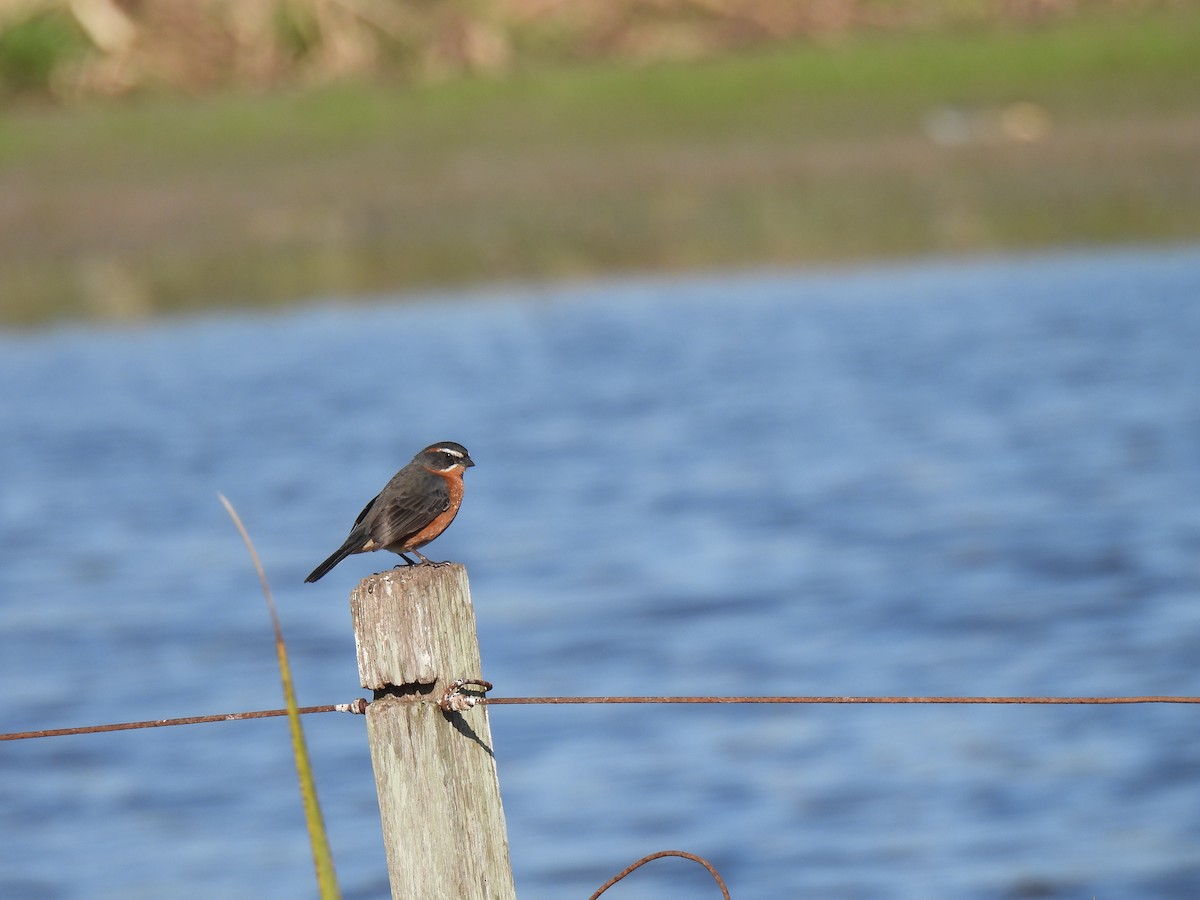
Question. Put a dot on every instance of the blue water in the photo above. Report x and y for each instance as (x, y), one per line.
(939, 478)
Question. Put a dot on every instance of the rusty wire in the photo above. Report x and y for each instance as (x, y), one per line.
(454, 700)
(503, 701)
(653, 856)
(359, 707)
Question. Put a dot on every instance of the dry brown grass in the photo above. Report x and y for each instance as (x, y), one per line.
(947, 142)
(118, 47)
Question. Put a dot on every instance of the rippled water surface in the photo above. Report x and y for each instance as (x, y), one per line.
(935, 479)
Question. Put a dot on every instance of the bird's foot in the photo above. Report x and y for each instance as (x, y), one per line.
(426, 561)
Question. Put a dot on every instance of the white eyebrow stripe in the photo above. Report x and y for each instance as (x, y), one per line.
(450, 452)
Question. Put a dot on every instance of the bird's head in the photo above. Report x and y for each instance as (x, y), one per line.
(444, 456)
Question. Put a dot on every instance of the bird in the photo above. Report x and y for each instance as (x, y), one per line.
(416, 506)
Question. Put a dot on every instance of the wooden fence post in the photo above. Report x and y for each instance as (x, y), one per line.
(439, 797)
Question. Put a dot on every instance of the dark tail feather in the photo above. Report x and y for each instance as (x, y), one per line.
(351, 546)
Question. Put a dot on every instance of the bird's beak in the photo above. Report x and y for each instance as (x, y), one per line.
(467, 462)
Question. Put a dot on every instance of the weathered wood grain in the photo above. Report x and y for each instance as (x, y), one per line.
(439, 796)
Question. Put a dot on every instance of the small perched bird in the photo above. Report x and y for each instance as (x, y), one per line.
(417, 505)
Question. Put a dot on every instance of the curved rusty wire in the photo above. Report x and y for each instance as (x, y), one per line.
(653, 856)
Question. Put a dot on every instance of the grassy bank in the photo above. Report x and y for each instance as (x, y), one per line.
(878, 146)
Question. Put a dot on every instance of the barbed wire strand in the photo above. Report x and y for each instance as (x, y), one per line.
(653, 856)
(359, 706)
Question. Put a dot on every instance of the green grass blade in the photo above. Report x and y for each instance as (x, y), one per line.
(322, 856)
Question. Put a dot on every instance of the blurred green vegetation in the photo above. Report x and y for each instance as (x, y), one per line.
(880, 144)
(33, 49)
(78, 48)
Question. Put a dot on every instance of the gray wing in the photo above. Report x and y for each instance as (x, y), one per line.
(398, 513)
